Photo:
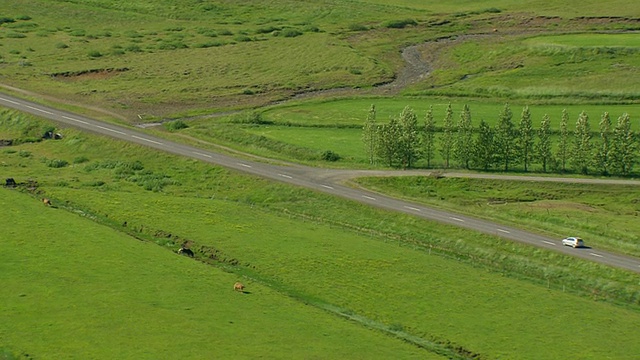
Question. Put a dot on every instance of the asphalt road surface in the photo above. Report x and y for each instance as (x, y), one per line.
(329, 181)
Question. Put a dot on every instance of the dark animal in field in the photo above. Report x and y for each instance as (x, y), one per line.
(238, 286)
(52, 135)
(185, 251)
(46, 201)
(10, 182)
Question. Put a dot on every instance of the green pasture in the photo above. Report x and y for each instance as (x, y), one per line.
(604, 215)
(152, 59)
(353, 112)
(596, 69)
(438, 287)
(117, 55)
(96, 275)
(75, 289)
(404, 289)
(302, 132)
(538, 7)
(587, 40)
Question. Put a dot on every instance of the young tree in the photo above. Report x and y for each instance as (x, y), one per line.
(463, 144)
(369, 135)
(447, 137)
(581, 154)
(409, 140)
(483, 147)
(563, 143)
(428, 136)
(504, 138)
(603, 155)
(388, 144)
(624, 147)
(543, 148)
(526, 138)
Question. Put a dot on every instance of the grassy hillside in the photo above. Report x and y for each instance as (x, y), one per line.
(441, 289)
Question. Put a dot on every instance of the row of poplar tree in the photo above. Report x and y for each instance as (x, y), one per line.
(402, 142)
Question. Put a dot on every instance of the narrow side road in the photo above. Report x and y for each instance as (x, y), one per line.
(329, 181)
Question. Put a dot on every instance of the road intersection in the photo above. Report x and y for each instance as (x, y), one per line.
(331, 181)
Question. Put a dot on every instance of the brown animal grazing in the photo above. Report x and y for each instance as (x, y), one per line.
(46, 201)
(238, 287)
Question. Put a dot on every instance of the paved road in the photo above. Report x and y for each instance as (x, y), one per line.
(329, 181)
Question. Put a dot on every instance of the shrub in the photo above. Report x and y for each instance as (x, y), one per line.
(267, 30)
(357, 27)
(312, 28)
(175, 125)
(23, 17)
(80, 160)
(242, 38)
(61, 46)
(6, 20)
(330, 156)
(133, 48)
(208, 44)
(15, 35)
(400, 24)
(251, 118)
(24, 153)
(290, 33)
(493, 10)
(57, 163)
(95, 183)
(78, 33)
(94, 54)
(172, 45)
(207, 32)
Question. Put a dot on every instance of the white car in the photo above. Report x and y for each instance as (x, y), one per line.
(573, 241)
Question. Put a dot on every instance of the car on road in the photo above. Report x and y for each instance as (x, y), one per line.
(573, 241)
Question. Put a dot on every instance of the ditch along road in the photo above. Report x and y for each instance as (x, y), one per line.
(331, 181)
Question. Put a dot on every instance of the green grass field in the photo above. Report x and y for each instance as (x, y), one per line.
(326, 278)
(302, 132)
(392, 276)
(228, 55)
(75, 289)
(606, 215)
